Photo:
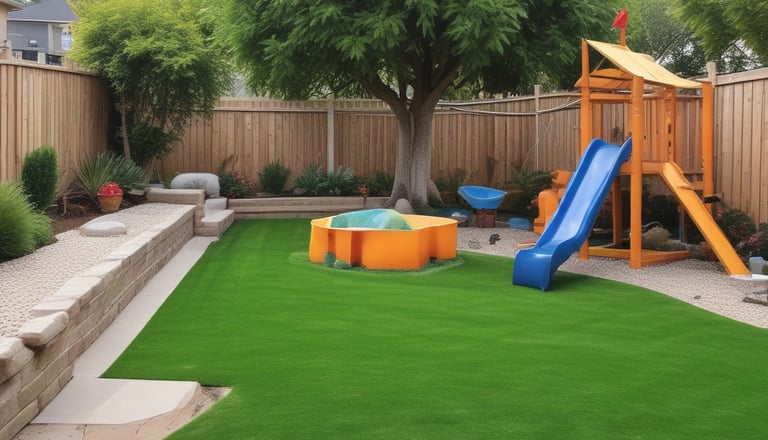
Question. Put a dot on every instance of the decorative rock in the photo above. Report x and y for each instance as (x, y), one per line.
(403, 206)
(205, 181)
(13, 356)
(103, 228)
(39, 331)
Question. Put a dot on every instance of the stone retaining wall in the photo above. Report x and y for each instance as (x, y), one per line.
(300, 207)
(37, 364)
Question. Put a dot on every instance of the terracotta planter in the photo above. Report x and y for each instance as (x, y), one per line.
(110, 203)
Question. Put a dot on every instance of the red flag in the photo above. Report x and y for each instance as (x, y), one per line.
(621, 19)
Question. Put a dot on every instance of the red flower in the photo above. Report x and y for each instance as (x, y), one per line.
(110, 189)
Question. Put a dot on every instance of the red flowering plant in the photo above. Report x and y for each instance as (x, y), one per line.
(110, 189)
(363, 190)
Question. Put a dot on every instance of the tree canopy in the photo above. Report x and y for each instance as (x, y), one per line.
(407, 53)
(156, 59)
(731, 31)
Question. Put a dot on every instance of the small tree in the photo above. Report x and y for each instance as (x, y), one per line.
(156, 60)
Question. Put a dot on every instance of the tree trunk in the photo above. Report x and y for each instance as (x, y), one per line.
(414, 159)
(124, 129)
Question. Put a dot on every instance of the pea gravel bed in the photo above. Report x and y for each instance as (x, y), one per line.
(25, 281)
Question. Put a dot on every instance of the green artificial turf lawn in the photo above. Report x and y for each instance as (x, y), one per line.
(456, 353)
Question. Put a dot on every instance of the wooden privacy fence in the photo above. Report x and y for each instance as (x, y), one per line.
(44, 105)
(741, 141)
(490, 140)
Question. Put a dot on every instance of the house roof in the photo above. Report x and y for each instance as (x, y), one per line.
(639, 64)
(11, 5)
(49, 11)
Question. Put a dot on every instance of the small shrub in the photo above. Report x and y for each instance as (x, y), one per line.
(736, 225)
(310, 181)
(380, 184)
(40, 177)
(274, 176)
(756, 245)
(530, 183)
(339, 182)
(97, 170)
(23, 228)
(148, 143)
(234, 185)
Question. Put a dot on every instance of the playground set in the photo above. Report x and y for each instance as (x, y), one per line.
(638, 82)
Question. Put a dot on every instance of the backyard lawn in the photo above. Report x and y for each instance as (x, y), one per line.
(453, 353)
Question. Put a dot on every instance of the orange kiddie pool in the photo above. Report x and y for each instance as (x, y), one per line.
(383, 239)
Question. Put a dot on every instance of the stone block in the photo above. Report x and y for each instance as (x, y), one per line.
(54, 304)
(176, 196)
(37, 332)
(81, 288)
(13, 356)
(31, 390)
(106, 270)
(19, 421)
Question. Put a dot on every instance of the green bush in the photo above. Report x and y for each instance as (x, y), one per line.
(314, 181)
(40, 177)
(381, 183)
(310, 181)
(736, 225)
(339, 182)
(530, 183)
(756, 245)
(274, 176)
(233, 185)
(23, 228)
(148, 143)
(108, 167)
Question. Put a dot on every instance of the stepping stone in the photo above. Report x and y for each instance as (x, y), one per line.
(105, 228)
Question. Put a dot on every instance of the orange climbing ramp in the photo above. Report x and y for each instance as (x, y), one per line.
(702, 217)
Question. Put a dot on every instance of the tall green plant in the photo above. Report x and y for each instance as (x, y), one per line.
(24, 229)
(339, 182)
(310, 181)
(104, 167)
(274, 176)
(40, 177)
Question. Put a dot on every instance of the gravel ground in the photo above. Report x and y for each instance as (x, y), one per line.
(701, 283)
(24, 282)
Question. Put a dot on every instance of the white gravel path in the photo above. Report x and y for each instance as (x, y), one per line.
(701, 283)
(25, 281)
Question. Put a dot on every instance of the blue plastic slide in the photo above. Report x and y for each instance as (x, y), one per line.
(571, 223)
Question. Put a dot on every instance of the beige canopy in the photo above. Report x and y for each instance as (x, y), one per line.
(636, 64)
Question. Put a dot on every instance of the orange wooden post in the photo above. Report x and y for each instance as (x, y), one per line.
(707, 139)
(586, 119)
(669, 152)
(636, 175)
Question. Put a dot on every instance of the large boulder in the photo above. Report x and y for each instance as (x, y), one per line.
(206, 181)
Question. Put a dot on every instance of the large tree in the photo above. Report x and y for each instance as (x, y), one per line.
(731, 31)
(157, 61)
(407, 53)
